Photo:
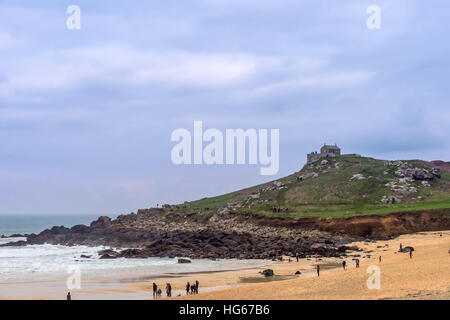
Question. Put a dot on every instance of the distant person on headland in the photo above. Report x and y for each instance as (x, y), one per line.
(69, 297)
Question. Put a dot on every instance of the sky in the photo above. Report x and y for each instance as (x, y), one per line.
(86, 115)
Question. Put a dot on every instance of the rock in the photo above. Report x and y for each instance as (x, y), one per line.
(324, 162)
(20, 243)
(436, 172)
(181, 260)
(80, 228)
(405, 171)
(108, 254)
(422, 174)
(85, 256)
(298, 272)
(357, 176)
(278, 184)
(101, 222)
(267, 273)
(406, 249)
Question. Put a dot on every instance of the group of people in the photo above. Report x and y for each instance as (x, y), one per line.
(344, 265)
(192, 288)
(158, 293)
(275, 209)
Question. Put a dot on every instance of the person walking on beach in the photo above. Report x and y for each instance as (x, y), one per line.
(69, 297)
(296, 256)
(318, 270)
(379, 259)
(196, 286)
(155, 290)
(410, 253)
(357, 263)
(188, 287)
(343, 264)
(168, 290)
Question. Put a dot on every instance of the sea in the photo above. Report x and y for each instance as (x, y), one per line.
(46, 262)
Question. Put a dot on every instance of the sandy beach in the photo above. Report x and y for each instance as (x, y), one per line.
(425, 276)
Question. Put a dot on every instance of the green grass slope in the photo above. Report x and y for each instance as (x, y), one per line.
(334, 187)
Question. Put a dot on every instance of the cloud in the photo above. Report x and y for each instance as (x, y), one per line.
(92, 110)
(68, 69)
(319, 81)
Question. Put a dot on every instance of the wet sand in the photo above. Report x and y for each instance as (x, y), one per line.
(425, 276)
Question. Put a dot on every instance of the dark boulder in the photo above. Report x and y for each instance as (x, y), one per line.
(181, 260)
(406, 249)
(267, 273)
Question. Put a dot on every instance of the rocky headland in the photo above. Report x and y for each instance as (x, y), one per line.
(159, 233)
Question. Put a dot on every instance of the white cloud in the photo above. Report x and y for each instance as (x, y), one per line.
(66, 69)
(316, 81)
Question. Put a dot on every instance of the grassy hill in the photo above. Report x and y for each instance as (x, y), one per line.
(337, 187)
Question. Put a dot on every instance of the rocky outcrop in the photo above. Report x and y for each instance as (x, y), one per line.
(405, 170)
(156, 233)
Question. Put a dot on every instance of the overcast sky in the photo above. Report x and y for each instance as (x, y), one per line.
(86, 115)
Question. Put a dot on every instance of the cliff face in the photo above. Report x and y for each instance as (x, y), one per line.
(372, 226)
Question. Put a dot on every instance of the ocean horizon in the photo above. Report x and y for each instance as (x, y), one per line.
(35, 223)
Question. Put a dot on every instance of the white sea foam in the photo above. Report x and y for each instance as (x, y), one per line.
(43, 262)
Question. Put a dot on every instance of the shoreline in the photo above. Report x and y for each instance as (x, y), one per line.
(425, 276)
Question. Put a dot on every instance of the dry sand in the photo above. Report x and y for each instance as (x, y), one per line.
(425, 276)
